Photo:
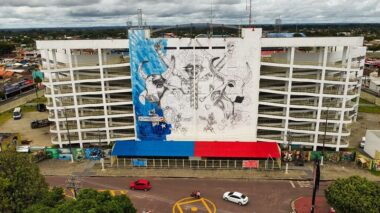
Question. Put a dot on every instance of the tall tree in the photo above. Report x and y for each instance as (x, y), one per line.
(354, 194)
(6, 48)
(21, 184)
(88, 200)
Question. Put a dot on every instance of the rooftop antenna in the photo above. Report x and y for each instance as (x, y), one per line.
(211, 30)
(250, 13)
(129, 25)
(139, 17)
(277, 25)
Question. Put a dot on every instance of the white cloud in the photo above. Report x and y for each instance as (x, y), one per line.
(58, 13)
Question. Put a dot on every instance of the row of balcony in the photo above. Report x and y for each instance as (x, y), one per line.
(305, 140)
(306, 77)
(85, 60)
(309, 102)
(316, 63)
(306, 127)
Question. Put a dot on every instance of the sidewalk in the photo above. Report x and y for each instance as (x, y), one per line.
(93, 168)
(303, 205)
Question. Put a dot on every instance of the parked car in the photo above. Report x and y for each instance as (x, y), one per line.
(141, 184)
(236, 197)
(40, 123)
(362, 142)
(17, 113)
(41, 107)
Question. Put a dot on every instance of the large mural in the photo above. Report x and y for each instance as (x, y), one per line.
(194, 92)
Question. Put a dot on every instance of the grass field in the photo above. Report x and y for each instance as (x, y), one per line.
(365, 106)
(8, 114)
(373, 55)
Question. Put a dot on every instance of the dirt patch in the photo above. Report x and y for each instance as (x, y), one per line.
(365, 121)
(39, 137)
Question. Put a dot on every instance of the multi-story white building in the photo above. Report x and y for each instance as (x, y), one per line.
(213, 89)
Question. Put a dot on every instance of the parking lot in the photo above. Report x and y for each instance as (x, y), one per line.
(39, 137)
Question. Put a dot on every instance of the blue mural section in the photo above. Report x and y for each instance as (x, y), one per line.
(148, 85)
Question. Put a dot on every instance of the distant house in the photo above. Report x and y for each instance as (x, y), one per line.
(374, 85)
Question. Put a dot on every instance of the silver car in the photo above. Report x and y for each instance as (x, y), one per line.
(236, 197)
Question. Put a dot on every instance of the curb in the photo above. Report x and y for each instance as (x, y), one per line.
(193, 177)
(292, 204)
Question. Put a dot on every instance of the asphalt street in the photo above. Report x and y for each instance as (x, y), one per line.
(264, 195)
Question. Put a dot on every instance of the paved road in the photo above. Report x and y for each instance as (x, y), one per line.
(265, 195)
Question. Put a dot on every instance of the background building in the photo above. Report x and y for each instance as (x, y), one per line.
(205, 89)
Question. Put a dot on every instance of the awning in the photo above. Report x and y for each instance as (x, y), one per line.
(237, 149)
(153, 148)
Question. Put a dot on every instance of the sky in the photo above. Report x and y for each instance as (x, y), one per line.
(87, 13)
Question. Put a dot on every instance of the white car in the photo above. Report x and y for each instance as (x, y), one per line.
(236, 197)
(362, 143)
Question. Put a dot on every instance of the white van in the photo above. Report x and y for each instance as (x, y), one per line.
(17, 113)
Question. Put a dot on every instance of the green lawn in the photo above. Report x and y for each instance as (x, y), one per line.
(377, 173)
(365, 106)
(39, 100)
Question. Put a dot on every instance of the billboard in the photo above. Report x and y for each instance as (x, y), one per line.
(195, 89)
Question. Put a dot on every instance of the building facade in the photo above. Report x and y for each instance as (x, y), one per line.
(244, 89)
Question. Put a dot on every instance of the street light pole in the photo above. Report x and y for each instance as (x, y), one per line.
(101, 153)
(324, 137)
(317, 176)
(288, 155)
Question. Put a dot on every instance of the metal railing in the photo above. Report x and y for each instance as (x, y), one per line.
(182, 163)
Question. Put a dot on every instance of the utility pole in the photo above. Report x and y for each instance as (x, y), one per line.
(288, 155)
(73, 183)
(101, 152)
(68, 134)
(324, 137)
(317, 175)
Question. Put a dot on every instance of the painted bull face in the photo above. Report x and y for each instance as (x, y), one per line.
(231, 91)
(155, 84)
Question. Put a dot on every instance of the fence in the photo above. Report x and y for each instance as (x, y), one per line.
(182, 163)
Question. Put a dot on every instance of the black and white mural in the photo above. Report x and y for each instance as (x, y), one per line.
(199, 89)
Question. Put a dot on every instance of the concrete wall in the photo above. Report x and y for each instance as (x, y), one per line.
(374, 87)
(372, 143)
(370, 98)
(20, 101)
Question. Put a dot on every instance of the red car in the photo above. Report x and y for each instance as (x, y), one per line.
(141, 184)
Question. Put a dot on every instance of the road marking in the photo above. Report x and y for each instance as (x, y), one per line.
(205, 204)
(180, 204)
(304, 184)
(188, 202)
(291, 183)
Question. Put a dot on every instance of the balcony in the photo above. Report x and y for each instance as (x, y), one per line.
(309, 115)
(271, 112)
(310, 102)
(314, 90)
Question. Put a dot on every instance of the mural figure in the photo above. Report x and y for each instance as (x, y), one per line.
(210, 122)
(229, 92)
(156, 85)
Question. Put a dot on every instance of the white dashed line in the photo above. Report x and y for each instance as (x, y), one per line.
(291, 183)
